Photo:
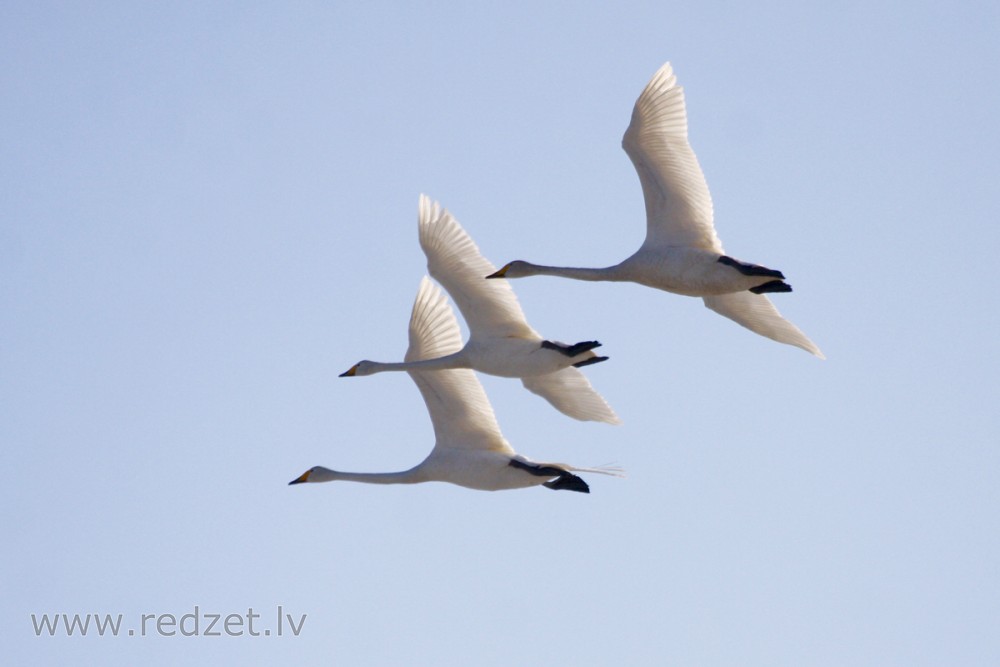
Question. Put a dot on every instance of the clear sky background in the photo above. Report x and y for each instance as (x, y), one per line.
(209, 212)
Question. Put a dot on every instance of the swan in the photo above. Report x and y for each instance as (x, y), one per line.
(500, 340)
(469, 449)
(681, 252)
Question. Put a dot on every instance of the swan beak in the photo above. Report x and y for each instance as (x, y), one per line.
(502, 273)
(304, 477)
(349, 373)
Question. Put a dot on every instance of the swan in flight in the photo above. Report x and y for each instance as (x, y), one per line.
(469, 449)
(500, 340)
(682, 253)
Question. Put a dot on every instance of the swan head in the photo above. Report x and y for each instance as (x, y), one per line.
(314, 474)
(361, 368)
(515, 269)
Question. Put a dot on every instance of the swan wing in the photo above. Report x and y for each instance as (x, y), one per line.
(569, 392)
(678, 204)
(757, 313)
(489, 307)
(459, 409)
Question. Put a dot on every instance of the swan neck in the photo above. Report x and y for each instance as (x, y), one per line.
(438, 363)
(411, 476)
(576, 272)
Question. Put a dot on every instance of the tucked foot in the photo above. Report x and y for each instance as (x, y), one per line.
(773, 286)
(567, 482)
(748, 269)
(571, 350)
(532, 469)
(563, 480)
(587, 362)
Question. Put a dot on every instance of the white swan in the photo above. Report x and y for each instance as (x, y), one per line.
(469, 449)
(500, 340)
(682, 253)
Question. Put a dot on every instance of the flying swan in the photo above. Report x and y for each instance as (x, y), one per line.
(469, 449)
(682, 253)
(500, 340)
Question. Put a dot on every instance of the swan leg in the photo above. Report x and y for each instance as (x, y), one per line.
(564, 480)
(773, 286)
(587, 362)
(571, 350)
(537, 470)
(567, 482)
(748, 269)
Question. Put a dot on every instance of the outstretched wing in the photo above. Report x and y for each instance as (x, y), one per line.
(457, 404)
(488, 306)
(757, 313)
(569, 391)
(678, 204)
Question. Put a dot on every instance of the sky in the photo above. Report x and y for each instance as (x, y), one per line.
(209, 212)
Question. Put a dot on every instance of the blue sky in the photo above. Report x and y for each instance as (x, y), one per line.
(210, 211)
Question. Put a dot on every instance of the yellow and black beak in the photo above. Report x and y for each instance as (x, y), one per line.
(350, 372)
(304, 477)
(502, 273)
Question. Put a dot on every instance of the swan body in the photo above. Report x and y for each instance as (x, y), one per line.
(469, 448)
(681, 252)
(500, 340)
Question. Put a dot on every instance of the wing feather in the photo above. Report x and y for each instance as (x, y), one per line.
(569, 391)
(459, 409)
(678, 204)
(757, 313)
(488, 306)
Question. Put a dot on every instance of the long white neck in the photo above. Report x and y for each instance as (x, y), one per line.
(411, 476)
(576, 272)
(455, 360)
